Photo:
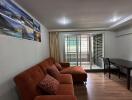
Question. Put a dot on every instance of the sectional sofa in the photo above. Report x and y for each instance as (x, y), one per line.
(28, 82)
(78, 74)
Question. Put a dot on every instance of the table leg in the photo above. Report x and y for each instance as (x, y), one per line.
(119, 73)
(104, 69)
(128, 79)
(109, 72)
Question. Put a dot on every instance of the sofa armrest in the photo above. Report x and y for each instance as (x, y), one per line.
(55, 97)
(65, 64)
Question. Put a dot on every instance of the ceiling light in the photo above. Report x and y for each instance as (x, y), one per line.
(115, 18)
(64, 21)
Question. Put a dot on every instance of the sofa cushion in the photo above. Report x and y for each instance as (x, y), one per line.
(65, 89)
(59, 67)
(27, 82)
(53, 71)
(65, 79)
(49, 84)
(46, 63)
(73, 70)
(78, 74)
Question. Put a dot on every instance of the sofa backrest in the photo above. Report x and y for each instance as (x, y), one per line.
(27, 82)
(47, 63)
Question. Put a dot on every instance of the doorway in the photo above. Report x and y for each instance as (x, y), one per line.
(84, 50)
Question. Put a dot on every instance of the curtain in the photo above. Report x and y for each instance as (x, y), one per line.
(54, 45)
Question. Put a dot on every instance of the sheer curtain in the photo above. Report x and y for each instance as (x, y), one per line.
(54, 45)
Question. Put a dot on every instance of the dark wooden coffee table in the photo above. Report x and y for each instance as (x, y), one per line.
(122, 64)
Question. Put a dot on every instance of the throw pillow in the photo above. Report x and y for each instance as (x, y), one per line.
(53, 71)
(49, 85)
(59, 67)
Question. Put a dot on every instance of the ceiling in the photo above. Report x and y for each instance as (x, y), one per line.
(83, 14)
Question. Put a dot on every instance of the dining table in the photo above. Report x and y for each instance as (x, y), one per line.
(122, 64)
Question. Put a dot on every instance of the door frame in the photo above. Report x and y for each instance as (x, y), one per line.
(91, 55)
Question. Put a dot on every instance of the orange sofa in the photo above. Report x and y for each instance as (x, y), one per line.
(27, 81)
(27, 85)
(78, 74)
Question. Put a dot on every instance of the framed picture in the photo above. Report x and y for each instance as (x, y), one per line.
(15, 22)
(37, 33)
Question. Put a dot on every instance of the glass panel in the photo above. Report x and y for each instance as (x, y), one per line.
(83, 50)
(98, 50)
(71, 50)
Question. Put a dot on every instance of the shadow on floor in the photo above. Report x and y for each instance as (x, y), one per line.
(122, 81)
(81, 91)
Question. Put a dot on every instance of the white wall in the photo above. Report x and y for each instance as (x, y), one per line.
(109, 44)
(17, 55)
(124, 43)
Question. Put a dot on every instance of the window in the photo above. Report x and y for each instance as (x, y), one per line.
(84, 50)
(77, 49)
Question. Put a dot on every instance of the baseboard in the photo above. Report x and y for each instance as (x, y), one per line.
(100, 70)
(94, 70)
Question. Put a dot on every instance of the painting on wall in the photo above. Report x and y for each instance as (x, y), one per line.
(37, 34)
(15, 22)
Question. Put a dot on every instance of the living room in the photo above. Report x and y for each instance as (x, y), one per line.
(69, 31)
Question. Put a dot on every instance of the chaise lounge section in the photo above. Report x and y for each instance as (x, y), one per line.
(79, 75)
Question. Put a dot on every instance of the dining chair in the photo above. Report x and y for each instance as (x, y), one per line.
(106, 64)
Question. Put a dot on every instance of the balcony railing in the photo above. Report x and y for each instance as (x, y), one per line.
(74, 57)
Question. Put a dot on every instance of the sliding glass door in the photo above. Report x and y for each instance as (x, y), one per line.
(77, 49)
(71, 50)
(84, 50)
